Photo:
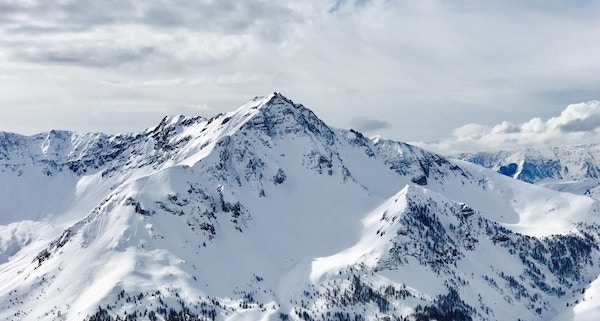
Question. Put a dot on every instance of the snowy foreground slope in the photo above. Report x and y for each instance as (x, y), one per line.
(266, 213)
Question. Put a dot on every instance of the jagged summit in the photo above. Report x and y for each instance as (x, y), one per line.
(273, 103)
(267, 213)
(266, 113)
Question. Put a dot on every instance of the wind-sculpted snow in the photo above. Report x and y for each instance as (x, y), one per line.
(266, 213)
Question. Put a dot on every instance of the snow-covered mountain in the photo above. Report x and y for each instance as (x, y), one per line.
(266, 213)
(567, 168)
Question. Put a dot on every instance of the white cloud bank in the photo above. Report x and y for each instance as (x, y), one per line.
(576, 124)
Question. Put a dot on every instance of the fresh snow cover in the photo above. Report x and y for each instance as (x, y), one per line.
(537, 211)
(573, 169)
(266, 213)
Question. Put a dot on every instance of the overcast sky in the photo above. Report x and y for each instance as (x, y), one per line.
(459, 75)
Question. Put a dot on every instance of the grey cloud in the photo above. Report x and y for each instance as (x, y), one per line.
(339, 4)
(240, 17)
(40, 30)
(92, 13)
(180, 34)
(49, 19)
(217, 16)
(90, 56)
(163, 17)
(590, 123)
(368, 125)
(70, 15)
(336, 6)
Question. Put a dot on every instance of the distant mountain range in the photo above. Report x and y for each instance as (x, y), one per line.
(267, 213)
(568, 168)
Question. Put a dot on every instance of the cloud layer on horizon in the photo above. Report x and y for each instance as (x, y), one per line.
(576, 124)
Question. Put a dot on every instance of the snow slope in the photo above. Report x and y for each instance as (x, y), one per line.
(266, 213)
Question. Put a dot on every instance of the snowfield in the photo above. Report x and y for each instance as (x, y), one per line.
(267, 213)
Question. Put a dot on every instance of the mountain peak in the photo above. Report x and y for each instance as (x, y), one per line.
(277, 97)
(265, 112)
(267, 213)
(265, 102)
(276, 115)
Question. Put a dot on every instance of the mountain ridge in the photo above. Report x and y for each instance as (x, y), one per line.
(267, 213)
(574, 169)
(533, 165)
